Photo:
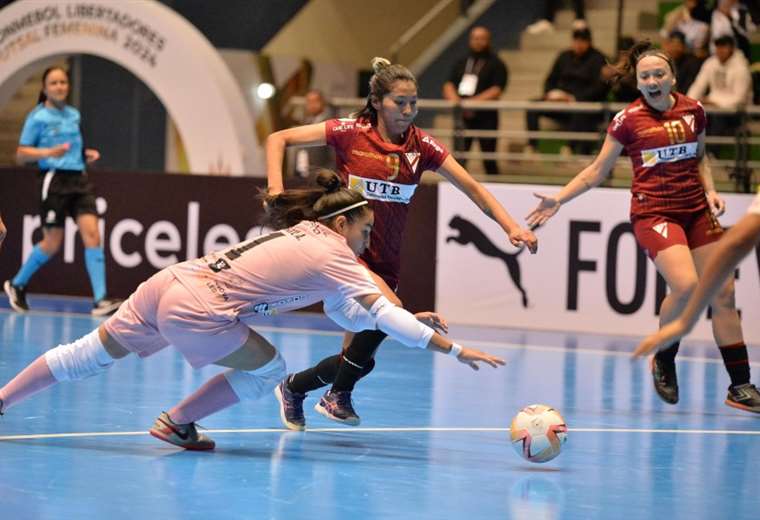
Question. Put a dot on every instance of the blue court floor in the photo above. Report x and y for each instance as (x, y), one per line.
(432, 444)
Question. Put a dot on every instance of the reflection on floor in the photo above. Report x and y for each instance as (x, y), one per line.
(432, 444)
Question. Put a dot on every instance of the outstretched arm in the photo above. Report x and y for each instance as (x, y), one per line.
(734, 246)
(404, 327)
(591, 176)
(307, 135)
(483, 199)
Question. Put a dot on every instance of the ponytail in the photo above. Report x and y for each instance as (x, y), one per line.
(323, 203)
(627, 70)
(381, 82)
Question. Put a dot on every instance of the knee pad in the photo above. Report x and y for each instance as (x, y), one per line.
(250, 385)
(81, 359)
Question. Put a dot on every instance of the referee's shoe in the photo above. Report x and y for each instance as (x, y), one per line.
(16, 296)
(105, 306)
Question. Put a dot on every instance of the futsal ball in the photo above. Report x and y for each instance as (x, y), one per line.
(538, 433)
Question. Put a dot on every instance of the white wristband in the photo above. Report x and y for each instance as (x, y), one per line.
(456, 349)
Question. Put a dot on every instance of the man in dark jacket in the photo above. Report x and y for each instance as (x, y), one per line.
(687, 65)
(575, 76)
(480, 76)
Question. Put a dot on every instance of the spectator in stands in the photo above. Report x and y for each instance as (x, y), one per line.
(3, 231)
(316, 110)
(687, 64)
(728, 18)
(696, 32)
(723, 81)
(550, 10)
(480, 76)
(575, 76)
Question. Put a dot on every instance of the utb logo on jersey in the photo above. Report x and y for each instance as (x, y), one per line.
(375, 189)
(668, 154)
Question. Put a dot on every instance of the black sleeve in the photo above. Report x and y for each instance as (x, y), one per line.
(701, 12)
(500, 74)
(595, 89)
(552, 80)
(457, 72)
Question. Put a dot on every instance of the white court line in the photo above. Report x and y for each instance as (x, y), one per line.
(423, 429)
(470, 342)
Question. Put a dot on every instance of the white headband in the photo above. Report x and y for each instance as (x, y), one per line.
(343, 210)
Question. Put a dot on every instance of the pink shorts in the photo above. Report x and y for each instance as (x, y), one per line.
(655, 233)
(161, 312)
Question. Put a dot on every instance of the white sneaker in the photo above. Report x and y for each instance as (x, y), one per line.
(540, 26)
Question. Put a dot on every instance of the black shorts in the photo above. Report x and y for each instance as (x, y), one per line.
(64, 194)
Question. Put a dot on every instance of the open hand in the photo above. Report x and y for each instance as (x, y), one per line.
(661, 339)
(434, 321)
(471, 357)
(545, 210)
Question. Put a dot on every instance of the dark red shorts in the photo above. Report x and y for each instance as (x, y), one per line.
(693, 229)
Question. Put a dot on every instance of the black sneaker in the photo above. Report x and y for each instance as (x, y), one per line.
(665, 379)
(16, 296)
(291, 407)
(744, 397)
(1, 407)
(338, 407)
(105, 306)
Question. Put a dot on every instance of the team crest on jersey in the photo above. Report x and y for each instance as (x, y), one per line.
(375, 189)
(668, 154)
(413, 158)
(689, 120)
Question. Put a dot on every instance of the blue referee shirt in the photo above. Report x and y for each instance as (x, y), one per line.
(47, 127)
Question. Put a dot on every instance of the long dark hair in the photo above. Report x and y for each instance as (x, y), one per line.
(381, 82)
(627, 70)
(43, 97)
(290, 207)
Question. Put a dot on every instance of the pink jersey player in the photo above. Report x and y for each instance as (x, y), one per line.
(380, 153)
(674, 211)
(201, 308)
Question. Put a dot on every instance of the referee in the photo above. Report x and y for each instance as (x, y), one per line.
(51, 136)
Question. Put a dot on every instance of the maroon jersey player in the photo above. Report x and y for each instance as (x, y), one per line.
(381, 153)
(674, 210)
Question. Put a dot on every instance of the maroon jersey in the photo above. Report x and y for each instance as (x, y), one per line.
(663, 150)
(387, 175)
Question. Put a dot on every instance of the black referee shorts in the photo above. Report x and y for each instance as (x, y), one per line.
(64, 193)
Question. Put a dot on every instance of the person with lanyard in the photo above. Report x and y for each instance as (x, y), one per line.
(481, 76)
(202, 308)
(382, 154)
(51, 136)
(674, 210)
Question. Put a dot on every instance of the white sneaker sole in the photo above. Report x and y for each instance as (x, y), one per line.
(9, 293)
(289, 425)
(108, 309)
(350, 422)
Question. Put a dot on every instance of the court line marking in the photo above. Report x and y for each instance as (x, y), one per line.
(471, 342)
(422, 429)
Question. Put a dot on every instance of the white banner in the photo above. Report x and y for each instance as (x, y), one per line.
(588, 274)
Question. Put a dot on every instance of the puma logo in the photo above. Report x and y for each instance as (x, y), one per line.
(469, 233)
